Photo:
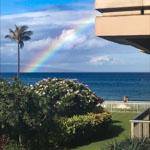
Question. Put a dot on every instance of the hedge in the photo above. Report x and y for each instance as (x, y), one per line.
(85, 127)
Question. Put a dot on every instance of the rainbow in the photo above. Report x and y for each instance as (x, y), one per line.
(57, 44)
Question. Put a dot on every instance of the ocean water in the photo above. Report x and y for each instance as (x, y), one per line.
(110, 86)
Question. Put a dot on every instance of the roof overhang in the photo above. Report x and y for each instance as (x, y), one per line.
(125, 22)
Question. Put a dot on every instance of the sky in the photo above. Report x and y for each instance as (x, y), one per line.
(51, 20)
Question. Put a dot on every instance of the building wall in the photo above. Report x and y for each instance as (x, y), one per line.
(107, 4)
(133, 25)
(125, 22)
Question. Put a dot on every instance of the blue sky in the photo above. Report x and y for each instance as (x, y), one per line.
(18, 6)
(49, 20)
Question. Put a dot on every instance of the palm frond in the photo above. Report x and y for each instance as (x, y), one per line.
(20, 34)
(10, 37)
(12, 34)
(16, 28)
(23, 28)
(11, 31)
(21, 44)
(25, 38)
(27, 33)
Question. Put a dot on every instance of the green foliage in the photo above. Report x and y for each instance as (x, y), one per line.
(13, 146)
(68, 97)
(84, 127)
(130, 144)
(37, 116)
(20, 34)
(21, 117)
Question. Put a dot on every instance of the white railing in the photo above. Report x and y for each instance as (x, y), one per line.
(140, 126)
(140, 129)
(131, 106)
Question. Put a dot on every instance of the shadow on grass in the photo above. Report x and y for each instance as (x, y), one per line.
(107, 133)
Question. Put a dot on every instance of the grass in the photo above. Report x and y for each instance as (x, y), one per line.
(119, 131)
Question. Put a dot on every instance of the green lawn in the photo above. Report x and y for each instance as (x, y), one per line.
(121, 126)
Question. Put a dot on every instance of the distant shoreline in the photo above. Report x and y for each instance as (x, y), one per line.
(130, 101)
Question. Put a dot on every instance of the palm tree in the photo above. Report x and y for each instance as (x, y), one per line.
(19, 35)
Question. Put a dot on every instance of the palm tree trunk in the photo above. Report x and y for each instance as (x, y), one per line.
(18, 72)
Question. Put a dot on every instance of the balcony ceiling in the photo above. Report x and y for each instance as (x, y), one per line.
(125, 22)
(119, 5)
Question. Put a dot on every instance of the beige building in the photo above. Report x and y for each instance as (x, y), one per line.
(125, 22)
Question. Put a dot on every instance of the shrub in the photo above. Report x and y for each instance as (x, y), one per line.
(21, 115)
(85, 127)
(13, 146)
(130, 144)
(49, 114)
(69, 97)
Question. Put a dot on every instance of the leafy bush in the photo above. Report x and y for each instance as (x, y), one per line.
(84, 127)
(13, 146)
(37, 116)
(130, 144)
(69, 97)
(21, 115)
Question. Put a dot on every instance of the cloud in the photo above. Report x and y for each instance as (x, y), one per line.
(38, 44)
(100, 60)
(73, 39)
(46, 24)
(50, 17)
(52, 25)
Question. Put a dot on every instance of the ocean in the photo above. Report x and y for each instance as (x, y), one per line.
(110, 86)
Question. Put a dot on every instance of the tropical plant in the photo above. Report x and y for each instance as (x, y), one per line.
(16, 117)
(67, 96)
(130, 144)
(49, 114)
(85, 127)
(19, 35)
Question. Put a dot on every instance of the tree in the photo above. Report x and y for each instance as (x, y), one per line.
(19, 35)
